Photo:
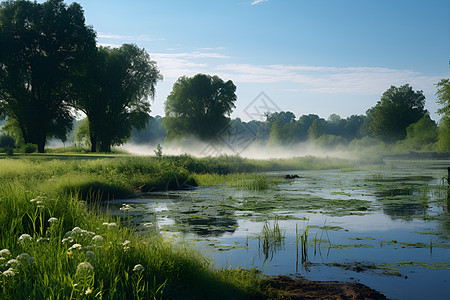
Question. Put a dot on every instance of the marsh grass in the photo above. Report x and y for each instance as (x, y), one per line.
(271, 239)
(301, 239)
(78, 252)
(84, 253)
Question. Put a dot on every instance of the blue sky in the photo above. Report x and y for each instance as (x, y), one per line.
(308, 56)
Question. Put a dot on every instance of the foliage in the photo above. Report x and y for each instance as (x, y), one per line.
(316, 129)
(199, 106)
(329, 141)
(29, 148)
(41, 47)
(81, 135)
(443, 98)
(423, 132)
(7, 141)
(397, 109)
(113, 93)
(158, 151)
(154, 132)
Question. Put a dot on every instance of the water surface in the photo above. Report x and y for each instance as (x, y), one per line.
(385, 226)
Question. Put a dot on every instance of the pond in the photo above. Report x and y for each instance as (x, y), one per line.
(386, 226)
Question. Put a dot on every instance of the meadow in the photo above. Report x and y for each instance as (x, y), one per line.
(56, 243)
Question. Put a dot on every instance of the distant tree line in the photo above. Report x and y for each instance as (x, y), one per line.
(399, 117)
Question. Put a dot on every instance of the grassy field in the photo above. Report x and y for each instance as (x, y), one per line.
(56, 244)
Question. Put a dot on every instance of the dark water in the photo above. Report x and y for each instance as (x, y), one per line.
(385, 226)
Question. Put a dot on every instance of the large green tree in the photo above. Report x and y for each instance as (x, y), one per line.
(113, 92)
(199, 106)
(443, 98)
(41, 46)
(398, 108)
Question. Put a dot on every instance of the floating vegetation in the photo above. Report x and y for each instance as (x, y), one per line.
(426, 265)
(348, 247)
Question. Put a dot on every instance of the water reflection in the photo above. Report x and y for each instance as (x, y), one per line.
(405, 211)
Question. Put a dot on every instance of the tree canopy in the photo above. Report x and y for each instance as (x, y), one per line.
(113, 93)
(398, 108)
(199, 106)
(443, 98)
(41, 47)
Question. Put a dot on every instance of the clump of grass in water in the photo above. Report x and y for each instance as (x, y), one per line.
(302, 239)
(259, 183)
(271, 239)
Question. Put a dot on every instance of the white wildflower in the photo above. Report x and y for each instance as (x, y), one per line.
(25, 238)
(75, 246)
(53, 220)
(98, 239)
(85, 269)
(5, 253)
(42, 239)
(138, 268)
(77, 230)
(9, 273)
(13, 262)
(67, 240)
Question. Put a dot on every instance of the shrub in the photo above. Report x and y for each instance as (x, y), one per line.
(7, 141)
(29, 148)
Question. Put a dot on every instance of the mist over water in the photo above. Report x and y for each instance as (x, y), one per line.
(256, 151)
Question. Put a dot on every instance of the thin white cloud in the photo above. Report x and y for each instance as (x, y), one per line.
(174, 65)
(323, 79)
(109, 45)
(258, 2)
(141, 38)
(294, 78)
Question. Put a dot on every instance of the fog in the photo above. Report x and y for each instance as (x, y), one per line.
(255, 150)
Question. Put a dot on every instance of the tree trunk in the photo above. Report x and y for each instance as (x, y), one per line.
(41, 146)
(105, 147)
(93, 138)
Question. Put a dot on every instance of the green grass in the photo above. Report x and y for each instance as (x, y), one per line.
(271, 239)
(76, 251)
(81, 234)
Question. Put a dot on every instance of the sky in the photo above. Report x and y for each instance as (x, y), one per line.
(306, 56)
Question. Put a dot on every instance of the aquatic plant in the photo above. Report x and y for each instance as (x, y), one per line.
(271, 239)
(301, 238)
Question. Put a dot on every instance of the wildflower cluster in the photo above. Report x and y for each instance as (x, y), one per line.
(10, 267)
(39, 201)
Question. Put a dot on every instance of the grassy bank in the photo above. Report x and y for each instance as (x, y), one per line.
(56, 244)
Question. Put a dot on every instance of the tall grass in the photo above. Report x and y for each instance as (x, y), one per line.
(74, 251)
(56, 244)
(271, 239)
